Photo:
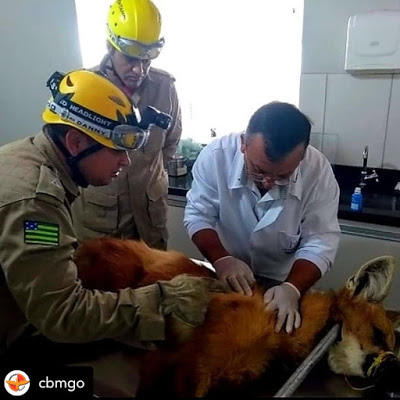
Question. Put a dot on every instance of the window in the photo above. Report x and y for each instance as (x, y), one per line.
(229, 57)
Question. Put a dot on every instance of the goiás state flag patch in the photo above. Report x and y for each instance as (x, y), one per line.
(36, 232)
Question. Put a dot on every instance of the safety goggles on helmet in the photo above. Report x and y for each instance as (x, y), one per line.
(133, 48)
(124, 136)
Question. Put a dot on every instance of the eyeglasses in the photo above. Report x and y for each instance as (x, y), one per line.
(263, 178)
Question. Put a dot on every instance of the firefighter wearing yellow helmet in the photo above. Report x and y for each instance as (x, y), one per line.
(134, 28)
(134, 39)
(105, 114)
(95, 106)
(89, 125)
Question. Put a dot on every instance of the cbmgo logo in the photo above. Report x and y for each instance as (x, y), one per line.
(17, 382)
(70, 385)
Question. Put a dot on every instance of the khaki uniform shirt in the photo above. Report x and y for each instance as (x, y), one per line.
(38, 277)
(135, 205)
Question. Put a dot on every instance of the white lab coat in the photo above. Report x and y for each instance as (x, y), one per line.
(269, 233)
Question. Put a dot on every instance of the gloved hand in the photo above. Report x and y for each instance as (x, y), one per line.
(186, 297)
(237, 273)
(285, 299)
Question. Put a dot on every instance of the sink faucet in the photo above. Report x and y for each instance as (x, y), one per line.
(372, 176)
(364, 172)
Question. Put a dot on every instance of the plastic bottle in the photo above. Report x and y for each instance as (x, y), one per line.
(356, 200)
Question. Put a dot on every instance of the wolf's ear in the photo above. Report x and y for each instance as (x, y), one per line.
(373, 279)
(394, 316)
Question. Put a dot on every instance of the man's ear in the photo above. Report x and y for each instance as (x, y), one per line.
(75, 141)
(109, 47)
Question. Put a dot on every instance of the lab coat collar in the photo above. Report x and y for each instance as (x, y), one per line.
(296, 189)
(237, 177)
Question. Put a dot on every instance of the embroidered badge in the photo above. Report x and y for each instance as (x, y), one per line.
(36, 232)
(56, 182)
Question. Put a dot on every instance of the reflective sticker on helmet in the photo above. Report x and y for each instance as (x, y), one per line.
(89, 115)
(121, 8)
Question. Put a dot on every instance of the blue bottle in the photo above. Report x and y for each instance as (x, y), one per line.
(356, 200)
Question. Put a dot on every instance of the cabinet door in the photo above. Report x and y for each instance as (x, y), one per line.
(352, 253)
(178, 237)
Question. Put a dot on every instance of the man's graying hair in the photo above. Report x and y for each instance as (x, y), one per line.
(283, 127)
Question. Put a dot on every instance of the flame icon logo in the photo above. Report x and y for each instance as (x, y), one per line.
(16, 383)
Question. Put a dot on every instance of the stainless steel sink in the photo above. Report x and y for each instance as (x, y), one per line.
(381, 201)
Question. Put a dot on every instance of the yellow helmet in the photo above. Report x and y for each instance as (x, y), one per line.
(134, 28)
(95, 106)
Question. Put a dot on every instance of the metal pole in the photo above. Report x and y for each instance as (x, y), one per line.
(306, 366)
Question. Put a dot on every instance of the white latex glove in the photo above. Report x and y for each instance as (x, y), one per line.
(284, 299)
(237, 273)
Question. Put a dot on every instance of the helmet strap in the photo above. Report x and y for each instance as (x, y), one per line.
(105, 67)
(73, 161)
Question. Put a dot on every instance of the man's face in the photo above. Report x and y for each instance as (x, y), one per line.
(265, 173)
(101, 167)
(131, 70)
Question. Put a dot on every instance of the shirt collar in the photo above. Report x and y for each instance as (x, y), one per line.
(46, 146)
(137, 94)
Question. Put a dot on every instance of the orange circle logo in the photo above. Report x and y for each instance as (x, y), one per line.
(16, 383)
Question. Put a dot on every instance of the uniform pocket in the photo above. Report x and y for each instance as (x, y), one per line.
(157, 205)
(158, 212)
(155, 142)
(289, 243)
(100, 211)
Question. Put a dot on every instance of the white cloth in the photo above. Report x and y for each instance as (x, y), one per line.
(269, 233)
(203, 263)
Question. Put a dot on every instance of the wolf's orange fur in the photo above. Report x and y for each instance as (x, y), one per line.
(237, 342)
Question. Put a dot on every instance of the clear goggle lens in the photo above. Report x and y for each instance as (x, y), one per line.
(139, 50)
(127, 137)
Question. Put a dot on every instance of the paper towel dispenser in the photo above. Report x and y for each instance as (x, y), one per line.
(373, 42)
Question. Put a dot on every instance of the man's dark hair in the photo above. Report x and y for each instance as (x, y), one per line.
(59, 129)
(283, 127)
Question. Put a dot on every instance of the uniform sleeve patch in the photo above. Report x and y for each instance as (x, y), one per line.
(36, 232)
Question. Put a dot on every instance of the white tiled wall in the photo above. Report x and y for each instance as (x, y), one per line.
(392, 149)
(324, 31)
(360, 110)
(312, 98)
(347, 113)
